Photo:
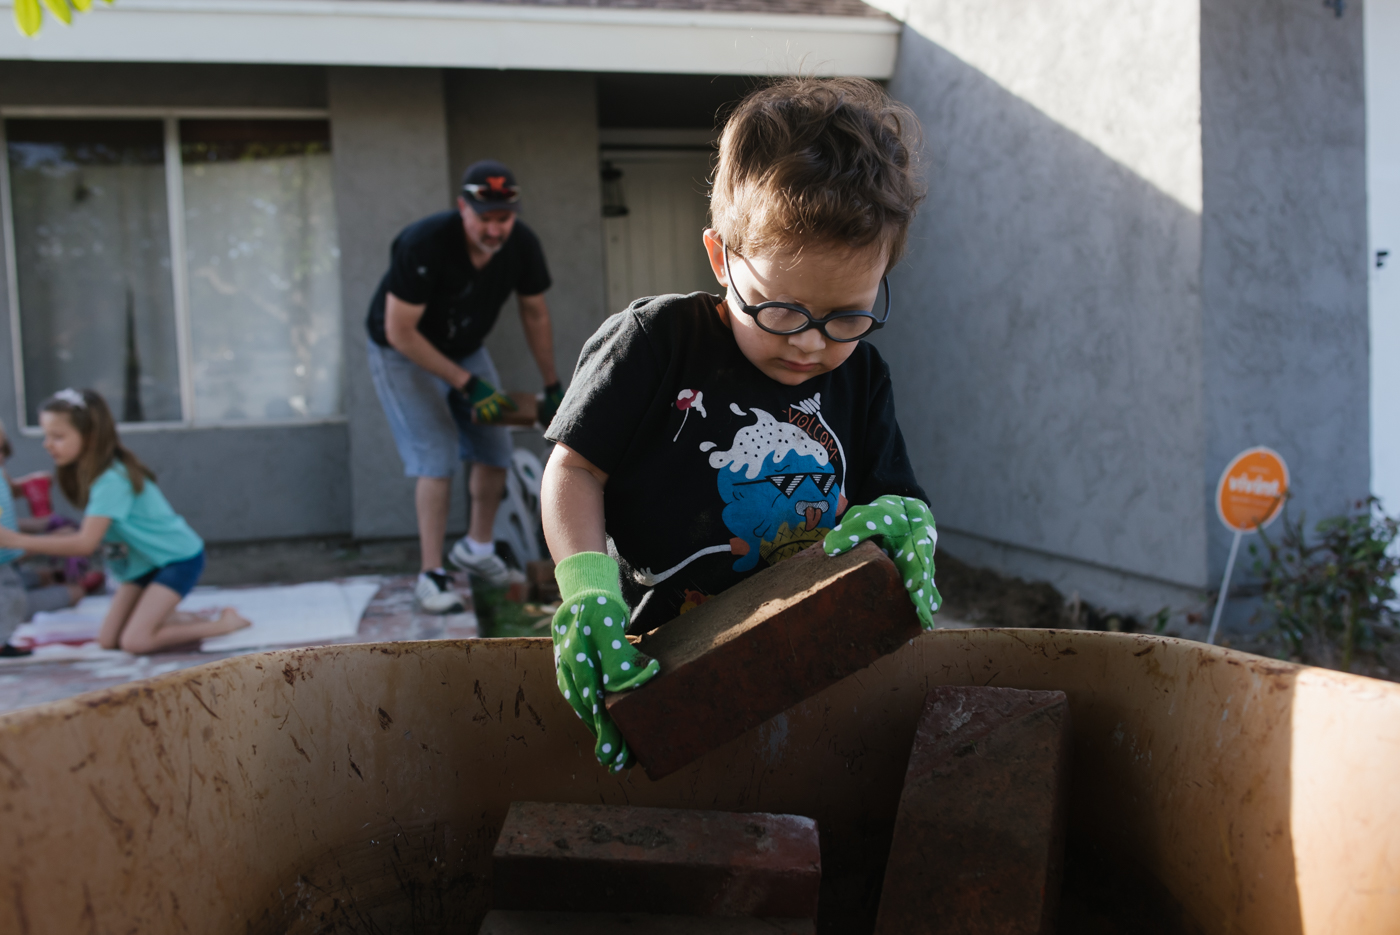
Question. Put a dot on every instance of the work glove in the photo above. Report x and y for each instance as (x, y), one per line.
(591, 652)
(553, 396)
(906, 527)
(488, 404)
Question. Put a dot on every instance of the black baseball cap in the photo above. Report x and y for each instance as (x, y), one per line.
(489, 186)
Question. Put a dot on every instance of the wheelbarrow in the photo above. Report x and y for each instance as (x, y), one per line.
(361, 788)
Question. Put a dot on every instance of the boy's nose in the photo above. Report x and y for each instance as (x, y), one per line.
(809, 341)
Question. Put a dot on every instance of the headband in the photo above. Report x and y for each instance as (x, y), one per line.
(72, 397)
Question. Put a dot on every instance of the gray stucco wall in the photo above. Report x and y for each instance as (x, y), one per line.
(231, 483)
(1143, 251)
(1046, 336)
(389, 139)
(1285, 247)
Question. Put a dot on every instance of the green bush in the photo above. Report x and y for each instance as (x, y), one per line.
(1334, 588)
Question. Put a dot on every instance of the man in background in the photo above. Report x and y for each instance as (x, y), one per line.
(449, 275)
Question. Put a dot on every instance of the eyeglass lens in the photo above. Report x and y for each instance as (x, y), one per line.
(839, 328)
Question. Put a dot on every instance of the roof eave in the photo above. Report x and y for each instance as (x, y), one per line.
(465, 35)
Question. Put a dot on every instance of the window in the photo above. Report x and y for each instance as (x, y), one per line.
(187, 269)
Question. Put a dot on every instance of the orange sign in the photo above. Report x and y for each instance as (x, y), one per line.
(1252, 490)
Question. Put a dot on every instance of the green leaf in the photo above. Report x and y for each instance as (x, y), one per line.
(60, 9)
(82, 6)
(28, 17)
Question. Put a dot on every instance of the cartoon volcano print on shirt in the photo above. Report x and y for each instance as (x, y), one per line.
(781, 483)
(780, 490)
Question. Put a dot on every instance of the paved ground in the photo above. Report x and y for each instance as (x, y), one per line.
(389, 617)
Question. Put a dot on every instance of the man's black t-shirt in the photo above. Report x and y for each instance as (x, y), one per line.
(429, 266)
(716, 471)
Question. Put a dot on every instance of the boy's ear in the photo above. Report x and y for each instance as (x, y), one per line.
(714, 247)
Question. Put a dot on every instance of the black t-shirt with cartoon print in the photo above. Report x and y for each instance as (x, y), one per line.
(430, 266)
(716, 471)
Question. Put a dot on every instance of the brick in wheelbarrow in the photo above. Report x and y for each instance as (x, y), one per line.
(506, 922)
(560, 857)
(768, 643)
(979, 840)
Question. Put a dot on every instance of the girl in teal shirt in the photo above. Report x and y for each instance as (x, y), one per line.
(150, 548)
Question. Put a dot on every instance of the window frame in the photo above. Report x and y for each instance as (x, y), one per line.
(179, 275)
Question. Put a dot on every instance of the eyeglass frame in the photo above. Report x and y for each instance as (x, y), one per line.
(812, 322)
(475, 190)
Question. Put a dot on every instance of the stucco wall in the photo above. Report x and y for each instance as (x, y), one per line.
(1046, 332)
(1284, 247)
(1143, 251)
(243, 483)
(389, 138)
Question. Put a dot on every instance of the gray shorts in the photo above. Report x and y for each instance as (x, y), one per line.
(431, 433)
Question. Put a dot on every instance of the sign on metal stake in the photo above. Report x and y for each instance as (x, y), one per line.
(1250, 495)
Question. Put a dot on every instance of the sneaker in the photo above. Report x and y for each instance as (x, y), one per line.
(9, 649)
(489, 568)
(435, 594)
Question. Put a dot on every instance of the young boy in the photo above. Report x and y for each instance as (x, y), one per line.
(711, 437)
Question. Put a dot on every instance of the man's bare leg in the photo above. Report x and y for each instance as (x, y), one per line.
(431, 499)
(487, 486)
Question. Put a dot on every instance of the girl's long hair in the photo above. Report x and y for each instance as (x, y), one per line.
(101, 446)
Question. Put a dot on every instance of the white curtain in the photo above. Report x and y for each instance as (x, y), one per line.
(93, 249)
(264, 283)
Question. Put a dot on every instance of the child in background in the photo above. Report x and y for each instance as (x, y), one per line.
(14, 602)
(150, 549)
(710, 437)
(42, 593)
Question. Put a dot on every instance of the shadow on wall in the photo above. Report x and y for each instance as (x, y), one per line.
(1046, 335)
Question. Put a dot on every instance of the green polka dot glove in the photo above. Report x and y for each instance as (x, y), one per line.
(909, 535)
(591, 652)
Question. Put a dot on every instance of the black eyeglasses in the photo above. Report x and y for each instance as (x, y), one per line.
(783, 318)
(494, 193)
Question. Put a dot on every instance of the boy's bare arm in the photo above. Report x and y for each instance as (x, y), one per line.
(571, 503)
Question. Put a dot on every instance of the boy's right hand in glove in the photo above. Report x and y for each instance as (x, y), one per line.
(591, 651)
(488, 404)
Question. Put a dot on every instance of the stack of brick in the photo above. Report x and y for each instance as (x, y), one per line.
(563, 867)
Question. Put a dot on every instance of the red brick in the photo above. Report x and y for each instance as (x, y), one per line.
(605, 858)
(766, 644)
(501, 922)
(979, 841)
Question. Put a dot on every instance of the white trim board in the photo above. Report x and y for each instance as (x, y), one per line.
(413, 33)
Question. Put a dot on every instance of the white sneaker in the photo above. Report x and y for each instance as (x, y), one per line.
(436, 595)
(489, 568)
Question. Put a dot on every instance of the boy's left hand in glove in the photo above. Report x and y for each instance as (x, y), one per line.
(909, 535)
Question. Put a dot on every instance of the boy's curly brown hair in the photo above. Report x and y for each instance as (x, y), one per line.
(817, 160)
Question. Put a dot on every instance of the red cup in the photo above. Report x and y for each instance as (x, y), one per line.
(36, 491)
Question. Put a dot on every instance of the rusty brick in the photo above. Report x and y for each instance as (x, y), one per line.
(500, 922)
(979, 842)
(605, 858)
(766, 644)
